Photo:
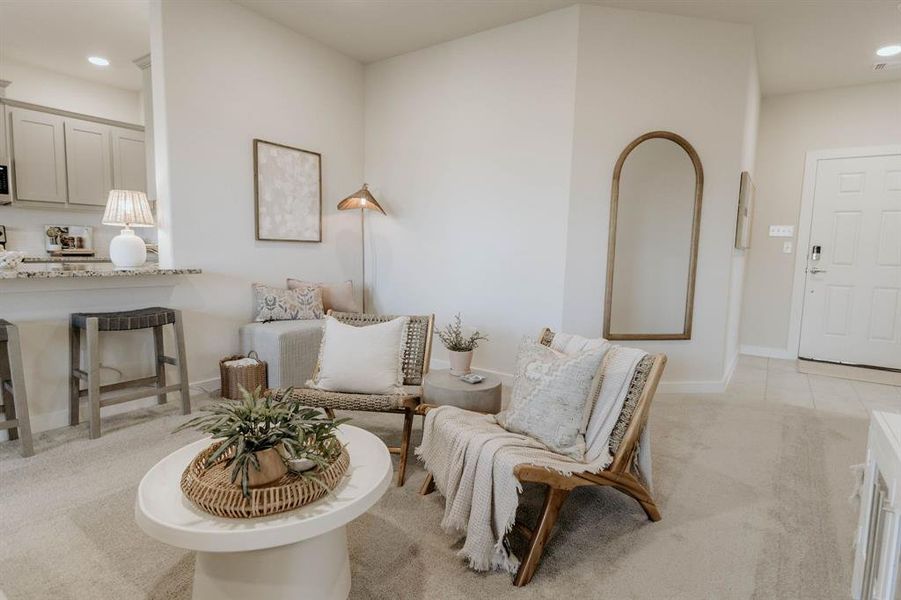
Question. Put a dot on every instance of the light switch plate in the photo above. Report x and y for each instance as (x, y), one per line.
(782, 231)
(786, 248)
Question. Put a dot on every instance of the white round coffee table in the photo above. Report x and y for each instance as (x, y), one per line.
(297, 554)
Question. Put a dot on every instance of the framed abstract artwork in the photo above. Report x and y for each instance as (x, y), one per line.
(746, 194)
(287, 188)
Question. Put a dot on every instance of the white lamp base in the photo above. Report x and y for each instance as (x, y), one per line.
(127, 250)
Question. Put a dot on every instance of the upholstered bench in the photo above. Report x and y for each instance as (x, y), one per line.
(290, 347)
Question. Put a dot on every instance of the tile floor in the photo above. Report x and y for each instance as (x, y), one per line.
(761, 380)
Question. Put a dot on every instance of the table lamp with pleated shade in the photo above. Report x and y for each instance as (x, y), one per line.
(363, 200)
(127, 208)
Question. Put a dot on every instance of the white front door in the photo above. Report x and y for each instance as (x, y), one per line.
(852, 292)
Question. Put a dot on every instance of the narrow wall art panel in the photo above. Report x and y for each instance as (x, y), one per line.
(746, 194)
(287, 186)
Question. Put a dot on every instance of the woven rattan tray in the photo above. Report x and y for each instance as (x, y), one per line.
(210, 489)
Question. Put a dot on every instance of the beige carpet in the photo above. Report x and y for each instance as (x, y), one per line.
(754, 499)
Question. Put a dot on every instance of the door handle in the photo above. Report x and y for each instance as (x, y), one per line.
(815, 270)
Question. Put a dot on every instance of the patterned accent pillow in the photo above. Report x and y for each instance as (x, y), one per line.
(335, 296)
(550, 390)
(278, 304)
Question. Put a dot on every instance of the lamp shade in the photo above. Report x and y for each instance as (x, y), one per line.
(361, 199)
(127, 208)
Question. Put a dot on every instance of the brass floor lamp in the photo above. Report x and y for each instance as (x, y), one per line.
(362, 200)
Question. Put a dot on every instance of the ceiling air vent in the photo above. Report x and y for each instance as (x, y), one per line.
(887, 66)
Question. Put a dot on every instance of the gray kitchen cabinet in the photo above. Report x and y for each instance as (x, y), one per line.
(39, 156)
(88, 162)
(129, 159)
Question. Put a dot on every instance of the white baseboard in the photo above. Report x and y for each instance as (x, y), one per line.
(768, 352)
(60, 418)
(700, 387)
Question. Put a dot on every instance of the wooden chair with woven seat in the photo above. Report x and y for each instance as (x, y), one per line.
(416, 356)
(622, 474)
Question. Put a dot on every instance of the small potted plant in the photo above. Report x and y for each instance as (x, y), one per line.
(459, 346)
(262, 435)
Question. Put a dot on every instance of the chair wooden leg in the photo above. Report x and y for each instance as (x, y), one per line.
(428, 486)
(640, 493)
(9, 407)
(74, 381)
(553, 501)
(405, 447)
(651, 510)
(6, 393)
(182, 360)
(20, 401)
(93, 368)
(159, 348)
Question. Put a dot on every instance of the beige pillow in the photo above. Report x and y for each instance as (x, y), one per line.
(550, 390)
(361, 360)
(277, 304)
(335, 296)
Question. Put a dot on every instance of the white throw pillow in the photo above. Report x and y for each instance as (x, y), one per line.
(550, 390)
(362, 360)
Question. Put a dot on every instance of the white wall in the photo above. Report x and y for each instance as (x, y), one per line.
(495, 154)
(740, 257)
(223, 76)
(468, 149)
(641, 72)
(790, 126)
(48, 88)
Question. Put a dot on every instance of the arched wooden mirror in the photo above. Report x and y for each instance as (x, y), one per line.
(655, 218)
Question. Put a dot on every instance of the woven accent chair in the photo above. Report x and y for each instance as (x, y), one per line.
(417, 352)
(622, 474)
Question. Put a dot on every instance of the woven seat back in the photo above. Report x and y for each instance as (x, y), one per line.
(418, 346)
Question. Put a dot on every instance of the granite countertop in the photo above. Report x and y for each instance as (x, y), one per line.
(65, 259)
(58, 269)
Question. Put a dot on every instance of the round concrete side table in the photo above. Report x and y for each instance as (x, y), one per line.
(442, 388)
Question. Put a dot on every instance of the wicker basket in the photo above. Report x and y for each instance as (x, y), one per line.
(211, 490)
(249, 377)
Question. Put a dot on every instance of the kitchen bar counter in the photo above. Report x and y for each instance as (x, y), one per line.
(54, 270)
(71, 259)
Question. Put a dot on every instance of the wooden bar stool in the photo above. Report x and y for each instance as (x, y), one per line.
(155, 385)
(12, 384)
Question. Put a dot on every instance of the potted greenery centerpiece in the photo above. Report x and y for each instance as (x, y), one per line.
(262, 434)
(459, 346)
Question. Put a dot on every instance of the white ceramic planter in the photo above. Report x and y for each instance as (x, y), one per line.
(460, 362)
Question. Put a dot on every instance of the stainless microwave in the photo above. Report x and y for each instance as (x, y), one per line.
(4, 185)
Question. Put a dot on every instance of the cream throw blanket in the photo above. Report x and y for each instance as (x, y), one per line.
(472, 459)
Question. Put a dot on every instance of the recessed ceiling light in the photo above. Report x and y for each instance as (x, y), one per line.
(889, 50)
(102, 62)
